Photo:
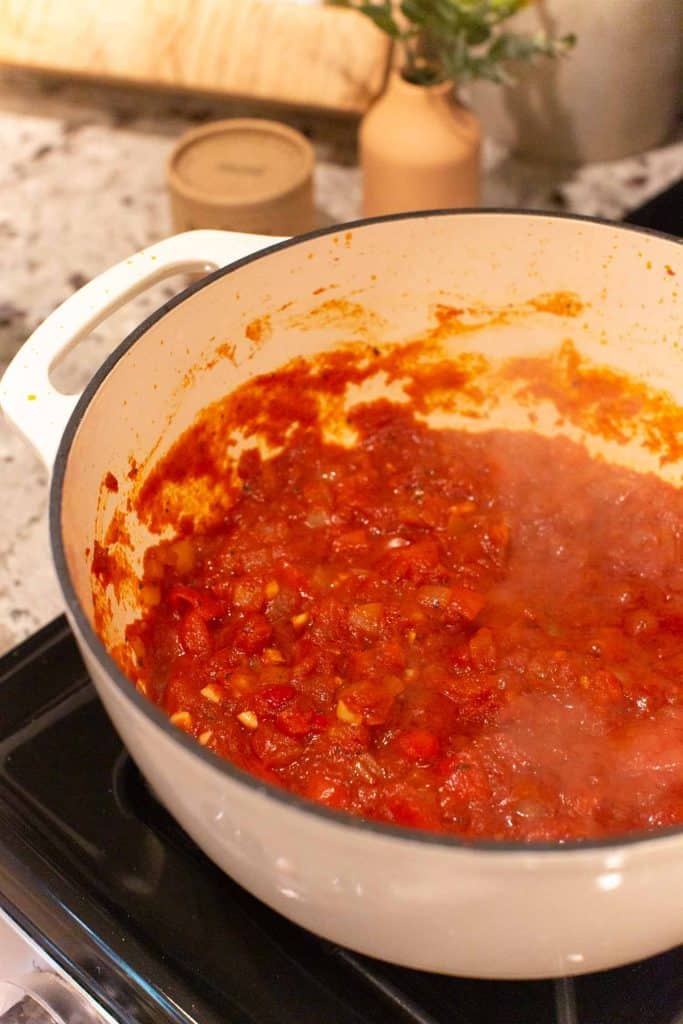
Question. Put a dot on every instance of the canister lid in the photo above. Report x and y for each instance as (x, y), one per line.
(242, 162)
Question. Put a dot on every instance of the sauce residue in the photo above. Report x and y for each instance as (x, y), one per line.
(259, 330)
(602, 401)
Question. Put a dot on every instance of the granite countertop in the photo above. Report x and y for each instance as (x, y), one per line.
(82, 186)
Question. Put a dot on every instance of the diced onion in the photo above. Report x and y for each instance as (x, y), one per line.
(367, 618)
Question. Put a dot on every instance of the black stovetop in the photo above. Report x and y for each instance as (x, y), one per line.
(664, 212)
(104, 880)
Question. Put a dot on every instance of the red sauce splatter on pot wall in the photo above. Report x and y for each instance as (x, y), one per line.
(258, 330)
(476, 634)
(602, 401)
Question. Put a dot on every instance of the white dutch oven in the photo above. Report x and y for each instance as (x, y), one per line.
(425, 901)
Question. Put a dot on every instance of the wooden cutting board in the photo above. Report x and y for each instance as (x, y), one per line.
(271, 50)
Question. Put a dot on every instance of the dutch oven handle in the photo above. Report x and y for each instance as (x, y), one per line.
(27, 396)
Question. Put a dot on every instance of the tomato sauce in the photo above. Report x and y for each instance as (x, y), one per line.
(470, 633)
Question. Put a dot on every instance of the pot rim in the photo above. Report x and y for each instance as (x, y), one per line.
(156, 716)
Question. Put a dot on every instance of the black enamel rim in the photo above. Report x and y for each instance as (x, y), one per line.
(154, 714)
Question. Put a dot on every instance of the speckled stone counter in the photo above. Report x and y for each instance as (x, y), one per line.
(82, 186)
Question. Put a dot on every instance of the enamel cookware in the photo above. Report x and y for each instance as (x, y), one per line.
(421, 900)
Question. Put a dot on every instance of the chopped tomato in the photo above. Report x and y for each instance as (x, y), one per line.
(419, 745)
(194, 633)
(204, 603)
(477, 634)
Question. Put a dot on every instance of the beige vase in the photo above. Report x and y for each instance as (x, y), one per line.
(419, 150)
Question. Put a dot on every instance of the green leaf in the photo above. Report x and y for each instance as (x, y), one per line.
(459, 39)
(382, 16)
(475, 35)
(415, 12)
(380, 13)
(511, 46)
(449, 13)
(503, 9)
